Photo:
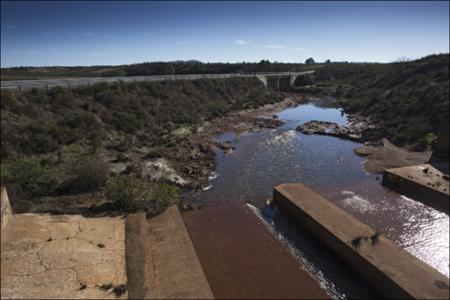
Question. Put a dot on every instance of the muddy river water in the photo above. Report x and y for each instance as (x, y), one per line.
(327, 164)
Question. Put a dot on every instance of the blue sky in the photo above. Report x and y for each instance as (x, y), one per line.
(95, 33)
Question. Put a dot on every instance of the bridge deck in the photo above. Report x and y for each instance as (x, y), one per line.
(74, 82)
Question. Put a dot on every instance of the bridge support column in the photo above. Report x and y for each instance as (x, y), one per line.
(263, 79)
(293, 78)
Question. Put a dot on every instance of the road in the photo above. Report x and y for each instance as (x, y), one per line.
(75, 82)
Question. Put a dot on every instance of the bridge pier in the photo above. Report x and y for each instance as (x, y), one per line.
(282, 83)
(263, 79)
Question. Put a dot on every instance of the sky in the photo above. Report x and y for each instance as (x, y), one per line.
(112, 33)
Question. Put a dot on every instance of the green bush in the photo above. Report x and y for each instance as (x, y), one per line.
(130, 194)
(126, 122)
(86, 174)
(31, 177)
(8, 101)
(45, 136)
(154, 152)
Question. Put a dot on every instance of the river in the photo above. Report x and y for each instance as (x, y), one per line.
(268, 157)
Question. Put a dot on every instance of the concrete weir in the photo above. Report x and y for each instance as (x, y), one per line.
(422, 182)
(392, 271)
(243, 260)
(161, 261)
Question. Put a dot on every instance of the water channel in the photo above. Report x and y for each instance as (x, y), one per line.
(327, 164)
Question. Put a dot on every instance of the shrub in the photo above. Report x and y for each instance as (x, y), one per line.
(154, 152)
(31, 177)
(130, 194)
(126, 122)
(8, 101)
(86, 174)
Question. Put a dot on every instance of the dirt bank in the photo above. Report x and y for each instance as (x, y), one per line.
(386, 155)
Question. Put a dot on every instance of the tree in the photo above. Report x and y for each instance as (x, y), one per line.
(310, 61)
(169, 69)
(327, 61)
(264, 66)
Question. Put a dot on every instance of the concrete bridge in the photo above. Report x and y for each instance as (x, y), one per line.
(280, 81)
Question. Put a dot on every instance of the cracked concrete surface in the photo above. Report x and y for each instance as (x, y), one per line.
(49, 256)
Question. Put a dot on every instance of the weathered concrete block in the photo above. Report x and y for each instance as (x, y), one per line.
(392, 271)
(423, 183)
(162, 262)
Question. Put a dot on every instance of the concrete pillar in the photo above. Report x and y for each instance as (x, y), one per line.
(263, 79)
(6, 211)
(292, 80)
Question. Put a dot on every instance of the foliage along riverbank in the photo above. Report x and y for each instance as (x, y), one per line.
(62, 148)
(66, 146)
(404, 100)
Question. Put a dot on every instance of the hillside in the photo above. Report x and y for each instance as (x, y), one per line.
(405, 100)
(63, 142)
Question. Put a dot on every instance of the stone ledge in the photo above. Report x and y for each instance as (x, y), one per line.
(392, 271)
(423, 183)
(161, 260)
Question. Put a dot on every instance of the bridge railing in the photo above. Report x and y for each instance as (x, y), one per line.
(22, 85)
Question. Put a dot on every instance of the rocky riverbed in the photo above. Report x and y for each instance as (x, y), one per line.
(354, 130)
(192, 155)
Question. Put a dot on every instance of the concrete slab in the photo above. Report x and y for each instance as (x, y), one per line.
(167, 266)
(243, 260)
(392, 271)
(62, 257)
(422, 182)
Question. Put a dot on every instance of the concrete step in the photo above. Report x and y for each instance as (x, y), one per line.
(161, 260)
(242, 259)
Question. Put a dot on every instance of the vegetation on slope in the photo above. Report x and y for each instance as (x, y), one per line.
(53, 141)
(405, 100)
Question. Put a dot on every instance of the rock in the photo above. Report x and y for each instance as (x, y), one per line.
(352, 131)
(160, 169)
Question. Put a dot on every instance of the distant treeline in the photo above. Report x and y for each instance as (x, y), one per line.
(152, 68)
